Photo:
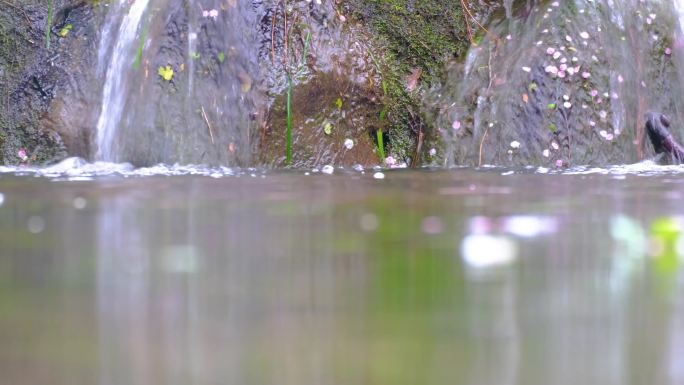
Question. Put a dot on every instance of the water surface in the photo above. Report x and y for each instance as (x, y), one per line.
(462, 276)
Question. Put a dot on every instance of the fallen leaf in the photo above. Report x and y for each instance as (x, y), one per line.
(65, 30)
(166, 72)
(412, 79)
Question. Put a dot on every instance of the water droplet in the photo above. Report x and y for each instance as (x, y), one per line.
(328, 169)
(80, 203)
(369, 222)
(36, 224)
(432, 225)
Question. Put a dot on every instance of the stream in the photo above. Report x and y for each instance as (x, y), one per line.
(185, 275)
(538, 243)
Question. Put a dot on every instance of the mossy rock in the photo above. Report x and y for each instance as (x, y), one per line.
(412, 36)
(420, 34)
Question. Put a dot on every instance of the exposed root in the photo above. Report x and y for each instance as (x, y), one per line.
(273, 28)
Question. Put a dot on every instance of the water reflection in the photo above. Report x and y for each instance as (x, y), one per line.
(459, 277)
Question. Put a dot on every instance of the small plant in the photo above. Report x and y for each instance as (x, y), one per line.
(49, 25)
(141, 46)
(65, 30)
(298, 71)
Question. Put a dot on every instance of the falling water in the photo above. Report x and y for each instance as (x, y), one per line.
(679, 6)
(115, 87)
(564, 83)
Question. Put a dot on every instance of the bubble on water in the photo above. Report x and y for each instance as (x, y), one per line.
(180, 259)
(488, 251)
(328, 169)
(529, 226)
(369, 222)
(80, 203)
(432, 225)
(36, 224)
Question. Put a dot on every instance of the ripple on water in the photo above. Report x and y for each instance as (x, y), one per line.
(645, 168)
(78, 169)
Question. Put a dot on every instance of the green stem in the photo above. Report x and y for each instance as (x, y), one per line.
(141, 46)
(49, 25)
(306, 49)
(288, 151)
(381, 146)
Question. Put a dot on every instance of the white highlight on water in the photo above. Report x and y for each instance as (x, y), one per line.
(114, 93)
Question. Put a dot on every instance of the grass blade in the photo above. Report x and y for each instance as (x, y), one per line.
(49, 25)
(288, 151)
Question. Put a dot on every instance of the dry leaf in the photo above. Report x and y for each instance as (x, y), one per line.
(412, 80)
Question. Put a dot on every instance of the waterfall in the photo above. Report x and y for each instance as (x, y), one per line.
(679, 6)
(115, 87)
(564, 83)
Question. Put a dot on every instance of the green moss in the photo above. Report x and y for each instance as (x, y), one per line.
(421, 34)
(411, 35)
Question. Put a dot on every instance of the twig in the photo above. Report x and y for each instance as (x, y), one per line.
(287, 50)
(211, 133)
(481, 144)
(465, 8)
(419, 146)
(273, 28)
(489, 69)
(468, 29)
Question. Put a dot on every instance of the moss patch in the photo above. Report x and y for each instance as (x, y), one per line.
(412, 35)
(420, 34)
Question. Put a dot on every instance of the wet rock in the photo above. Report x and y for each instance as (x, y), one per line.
(33, 75)
(225, 100)
(566, 81)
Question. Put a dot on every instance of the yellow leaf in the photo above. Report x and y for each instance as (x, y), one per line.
(166, 73)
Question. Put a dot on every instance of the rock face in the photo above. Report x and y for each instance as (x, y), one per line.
(226, 71)
(561, 84)
(31, 75)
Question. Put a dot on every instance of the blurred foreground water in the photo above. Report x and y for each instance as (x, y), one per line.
(462, 276)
